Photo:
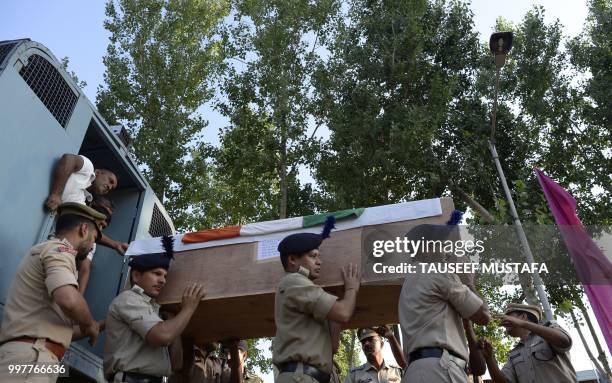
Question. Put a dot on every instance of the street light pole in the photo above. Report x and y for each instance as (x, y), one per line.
(500, 44)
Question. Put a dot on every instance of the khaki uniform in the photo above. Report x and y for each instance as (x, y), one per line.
(30, 310)
(367, 373)
(205, 369)
(130, 317)
(210, 369)
(302, 331)
(431, 308)
(538, 361)
(249, 377)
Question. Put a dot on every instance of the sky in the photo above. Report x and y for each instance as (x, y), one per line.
(74, 29)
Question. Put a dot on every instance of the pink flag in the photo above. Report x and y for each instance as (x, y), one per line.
(592, 266)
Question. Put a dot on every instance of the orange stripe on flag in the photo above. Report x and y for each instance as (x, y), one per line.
(212, 234)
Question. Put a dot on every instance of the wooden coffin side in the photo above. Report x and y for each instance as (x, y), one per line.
(233, 270)
(240, 290)
(252, 316)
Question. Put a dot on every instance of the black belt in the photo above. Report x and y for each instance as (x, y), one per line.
(309, 370)
(430, 352)
(135, 377)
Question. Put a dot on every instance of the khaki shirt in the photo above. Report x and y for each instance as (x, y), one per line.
(430, 310)
(249, 377)
(30, 309)
(367, 373)
(539, 361)
(130, 317)
(210, 369)
(302, 331)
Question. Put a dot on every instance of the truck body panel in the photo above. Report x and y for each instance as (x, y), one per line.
(43, 115)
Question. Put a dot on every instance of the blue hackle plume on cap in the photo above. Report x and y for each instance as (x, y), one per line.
(168, 245)
(329, 225)
(456, 217)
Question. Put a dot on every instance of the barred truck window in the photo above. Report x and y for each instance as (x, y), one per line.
(50, 87)
(159, 226)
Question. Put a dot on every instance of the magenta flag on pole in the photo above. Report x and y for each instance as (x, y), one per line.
(592, 266)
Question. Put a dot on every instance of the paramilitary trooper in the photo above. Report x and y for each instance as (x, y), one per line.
(431, 308)
(376, 369)
(542, 354)
(200, 365)
(306, 316)
(138, 340)
(44, 303)
(238, 353)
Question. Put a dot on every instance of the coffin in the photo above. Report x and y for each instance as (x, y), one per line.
(240, 275)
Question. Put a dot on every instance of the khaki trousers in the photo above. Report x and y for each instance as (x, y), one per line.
(22, 353)
(434, 370)
(294, 377)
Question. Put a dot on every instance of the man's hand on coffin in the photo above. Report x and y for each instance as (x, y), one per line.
(165, 332)
(343, 309)
(192, 296)
(352, 277)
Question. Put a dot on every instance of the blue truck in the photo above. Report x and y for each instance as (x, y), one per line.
(44, 114)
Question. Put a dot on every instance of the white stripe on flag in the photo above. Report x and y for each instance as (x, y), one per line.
(267, 227)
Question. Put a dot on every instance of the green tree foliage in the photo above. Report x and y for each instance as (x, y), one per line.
(551, 131)
(404, 88)
(590, 53)
(399, 72)
(408, 112)
(80, 83)
(256, 356)
(160, 61)
(348, 353)
(271, 49)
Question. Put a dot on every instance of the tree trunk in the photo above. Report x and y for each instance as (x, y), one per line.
(350, 352)
(283, 175)
(586, 346)
(478, 208)
(529, 289)
(602, 355)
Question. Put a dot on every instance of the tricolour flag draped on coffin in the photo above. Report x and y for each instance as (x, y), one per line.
(592, 266)
(268, 227)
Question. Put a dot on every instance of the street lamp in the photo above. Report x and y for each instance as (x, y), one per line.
(500, 44)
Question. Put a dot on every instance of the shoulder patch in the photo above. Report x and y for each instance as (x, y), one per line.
(66, 249)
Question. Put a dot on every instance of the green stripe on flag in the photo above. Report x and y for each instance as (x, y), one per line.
(319, 219)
